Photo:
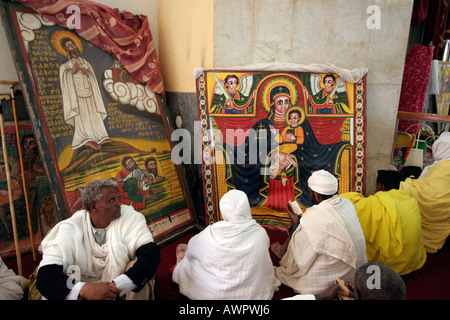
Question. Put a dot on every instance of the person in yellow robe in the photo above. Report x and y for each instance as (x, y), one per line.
(391, 223)
(432, 192)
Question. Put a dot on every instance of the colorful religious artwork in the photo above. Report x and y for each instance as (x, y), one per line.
(93, 120)
(265, 132)
(40, 213)
(443, 98)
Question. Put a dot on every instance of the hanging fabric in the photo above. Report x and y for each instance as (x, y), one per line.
(129, 40)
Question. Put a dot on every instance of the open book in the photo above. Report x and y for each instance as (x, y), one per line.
(293, 205)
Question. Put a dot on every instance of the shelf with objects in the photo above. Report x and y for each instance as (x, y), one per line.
(412, 148)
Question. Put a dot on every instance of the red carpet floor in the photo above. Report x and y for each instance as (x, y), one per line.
(431, 282)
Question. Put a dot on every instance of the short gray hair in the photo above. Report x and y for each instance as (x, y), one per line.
(391, 287)
(93, 191)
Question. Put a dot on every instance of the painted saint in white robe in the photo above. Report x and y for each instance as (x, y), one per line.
(82, 101)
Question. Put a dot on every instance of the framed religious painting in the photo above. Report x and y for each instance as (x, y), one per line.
(265, 132)
(33, 205)
(93, 119)
(443, 98)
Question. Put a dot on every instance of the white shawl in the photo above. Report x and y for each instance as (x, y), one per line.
(12, 286)
(441, 152)
(353, 75)
(71, 243)
(328, 233)
(229, 259)
(326, 245)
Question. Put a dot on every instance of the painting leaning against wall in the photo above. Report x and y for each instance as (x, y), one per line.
(267, 131)
(93, 120)
(40, 214)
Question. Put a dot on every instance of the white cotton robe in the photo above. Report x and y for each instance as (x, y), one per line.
(71, 243)
(12, 286)
(229, 259)
(328, 244)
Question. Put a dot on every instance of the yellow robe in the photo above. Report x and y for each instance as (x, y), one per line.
(391, 224)
(289, 146)
(433, 196)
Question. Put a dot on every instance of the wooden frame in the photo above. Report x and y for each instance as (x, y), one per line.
(132, 125)
(443, 98)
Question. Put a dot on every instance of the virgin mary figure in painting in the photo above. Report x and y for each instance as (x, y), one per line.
(279, 176)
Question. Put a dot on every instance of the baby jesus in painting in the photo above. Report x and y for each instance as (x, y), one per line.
(289, 139)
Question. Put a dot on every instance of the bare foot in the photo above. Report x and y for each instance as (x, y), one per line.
(106, 141)
(93, 145)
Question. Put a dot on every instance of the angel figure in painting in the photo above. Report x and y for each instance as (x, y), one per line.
(329, 95)
(228, 99)
(82, 101)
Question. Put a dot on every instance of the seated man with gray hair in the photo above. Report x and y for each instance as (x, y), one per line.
(328, 242)
(373, 281)
(107, 249)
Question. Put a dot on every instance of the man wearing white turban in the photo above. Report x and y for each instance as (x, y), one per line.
(229, 259)
(328, 242)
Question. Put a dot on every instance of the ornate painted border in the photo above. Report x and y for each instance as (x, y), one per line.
(208, 167)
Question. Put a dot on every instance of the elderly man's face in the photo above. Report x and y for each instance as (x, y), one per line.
(148, 178)
(107, 208)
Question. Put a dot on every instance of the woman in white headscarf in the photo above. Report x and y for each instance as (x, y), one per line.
(229, 259)
(432, 193)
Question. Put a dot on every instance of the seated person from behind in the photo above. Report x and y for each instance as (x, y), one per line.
(373, 281)
(107, 245)
(432, 192)
(328, 242)
(12, 286)
(229, 259)
(390, 220)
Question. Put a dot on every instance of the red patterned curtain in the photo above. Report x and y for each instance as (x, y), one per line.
(126, 36)
(416, 76)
